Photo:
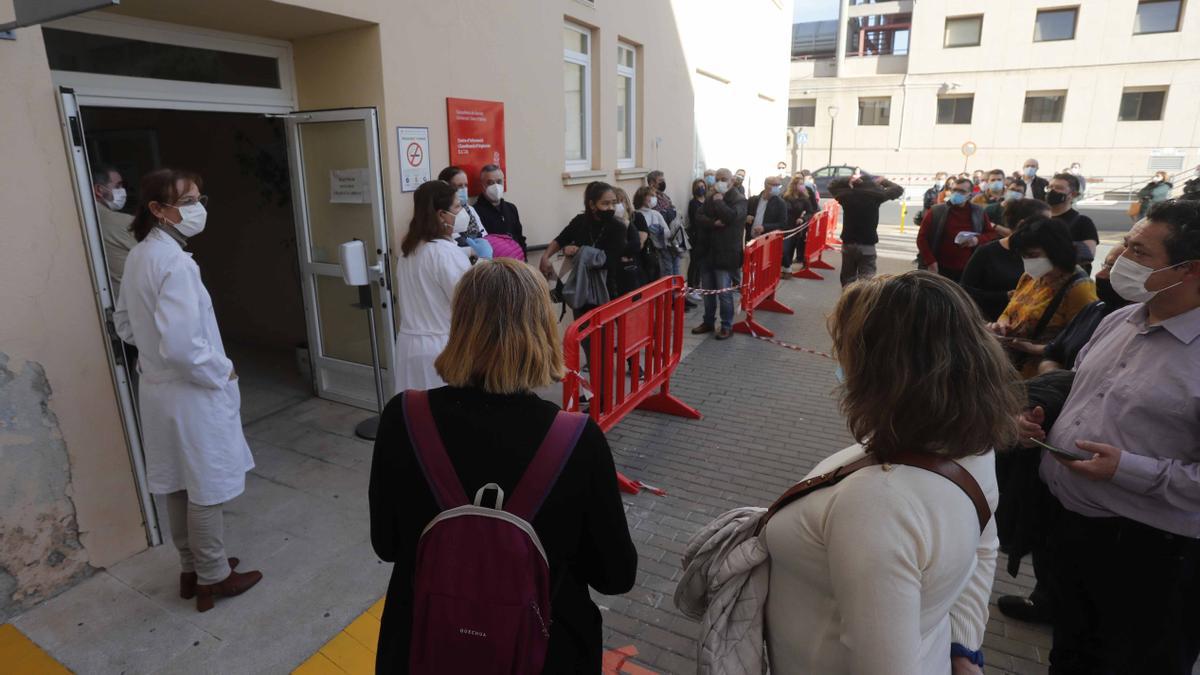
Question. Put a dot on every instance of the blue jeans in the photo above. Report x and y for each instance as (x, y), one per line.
(712, 279)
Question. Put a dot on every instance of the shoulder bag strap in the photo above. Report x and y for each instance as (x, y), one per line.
(1052, 308)
(813, 484)
(953, 472)
(543, 471)
(431, 453)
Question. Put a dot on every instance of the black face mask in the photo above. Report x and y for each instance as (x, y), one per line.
(699, 192)
(662, 186)
(607, 216)
(1106, 292)
(1054, 198)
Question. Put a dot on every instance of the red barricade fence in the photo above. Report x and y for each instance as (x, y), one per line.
(815, 244)
(639, 333)
(831, 238)
(761, 271)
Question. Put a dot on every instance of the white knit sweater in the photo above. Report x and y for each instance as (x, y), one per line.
(881, 572)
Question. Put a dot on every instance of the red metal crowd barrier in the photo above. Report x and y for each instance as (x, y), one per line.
(819, 228)
(761, 270)
(831, 238)
(639, 334)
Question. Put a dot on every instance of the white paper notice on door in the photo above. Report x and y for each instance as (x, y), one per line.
(348, 186)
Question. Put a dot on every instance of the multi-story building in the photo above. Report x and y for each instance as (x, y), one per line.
(901, 87)
(274, 103)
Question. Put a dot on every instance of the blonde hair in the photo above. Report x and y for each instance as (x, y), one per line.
(623, 198)
(503, 336)
(921, 371)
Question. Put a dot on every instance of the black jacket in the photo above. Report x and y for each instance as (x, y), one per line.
(699, 229)
(775, 217)
(1038, 185)
(492, 438)
(860, 207)
(501, 218)
(726, 237)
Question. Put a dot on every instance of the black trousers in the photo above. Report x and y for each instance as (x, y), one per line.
(1127, 598)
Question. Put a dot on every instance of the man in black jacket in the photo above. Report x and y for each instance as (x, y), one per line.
(860, 197)
(499, 215)
(1035, 185)
(766, 211)
(724, 215)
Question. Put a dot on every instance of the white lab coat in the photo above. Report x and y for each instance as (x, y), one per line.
(190, 408)
(425, 281)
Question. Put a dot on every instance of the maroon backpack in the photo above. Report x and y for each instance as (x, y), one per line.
(481, 587)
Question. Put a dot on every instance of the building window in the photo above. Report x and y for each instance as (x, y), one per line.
(577, 86)
(1044, 106)
(803, 113)
(874, 112)
(963, 31)
(1142, 105)
(955, 109)
(626, 106)
(1055, 24)
(1157, 16)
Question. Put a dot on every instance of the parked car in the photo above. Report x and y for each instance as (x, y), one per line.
(825, 174)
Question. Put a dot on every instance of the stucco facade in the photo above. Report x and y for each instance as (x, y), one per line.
(1105, 58)
(711, 89)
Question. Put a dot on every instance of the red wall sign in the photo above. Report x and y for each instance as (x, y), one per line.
(476, 130)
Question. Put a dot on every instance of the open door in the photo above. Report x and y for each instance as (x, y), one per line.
(337, 190)
(118, 358)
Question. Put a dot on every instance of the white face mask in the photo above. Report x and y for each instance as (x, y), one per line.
(1129, 279)
(461, 221)
(1037, 267)
(722, 186)
(495, 192)
(117, 201)
(192, 220)
(620, 211)
(653, 203)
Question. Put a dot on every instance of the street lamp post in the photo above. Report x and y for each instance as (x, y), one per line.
(833, 111)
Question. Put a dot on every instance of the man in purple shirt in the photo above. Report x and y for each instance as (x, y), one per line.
(1125, 547)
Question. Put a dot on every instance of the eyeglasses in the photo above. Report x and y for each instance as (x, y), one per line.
(202, 200)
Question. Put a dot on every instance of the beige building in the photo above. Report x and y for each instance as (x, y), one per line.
(266, 99)
(1111, 84)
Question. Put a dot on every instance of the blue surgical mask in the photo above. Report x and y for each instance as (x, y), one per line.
(710, 180)
(1031, 171)
(1013, 194)
(996, 185)
(776, 190)
(957, 198)
(840, 374)
(462, 195)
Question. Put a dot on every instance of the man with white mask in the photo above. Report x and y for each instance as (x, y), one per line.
(1125, 544)
(108, 189)
(190, 403)
(499, 215)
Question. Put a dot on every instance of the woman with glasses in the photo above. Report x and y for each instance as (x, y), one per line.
(189, 400)
(429, 267)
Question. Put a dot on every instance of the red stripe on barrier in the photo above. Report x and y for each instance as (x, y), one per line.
(820, 231)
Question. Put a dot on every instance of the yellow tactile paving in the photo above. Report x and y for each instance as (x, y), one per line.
(350, 652)
(20, 656)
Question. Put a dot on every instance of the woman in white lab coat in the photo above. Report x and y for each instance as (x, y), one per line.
(190, 405)
(429, 267)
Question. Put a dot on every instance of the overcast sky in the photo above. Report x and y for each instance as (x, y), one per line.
(815, 10)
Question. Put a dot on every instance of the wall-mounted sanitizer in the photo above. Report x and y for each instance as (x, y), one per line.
(356, 272)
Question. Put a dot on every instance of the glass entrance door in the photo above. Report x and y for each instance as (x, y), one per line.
(337, 190)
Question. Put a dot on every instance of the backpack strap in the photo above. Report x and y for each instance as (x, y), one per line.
(431, 452)
(943, 466)
(547, 464)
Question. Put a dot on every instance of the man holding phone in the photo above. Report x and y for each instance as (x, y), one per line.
(1125, 546)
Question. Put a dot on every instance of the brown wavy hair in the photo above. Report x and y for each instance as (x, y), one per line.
(162, 186)
(430, 199)
(921, 371)
(503, 333)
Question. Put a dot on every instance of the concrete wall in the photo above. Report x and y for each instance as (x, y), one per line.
(67, 497)
(1094, 68)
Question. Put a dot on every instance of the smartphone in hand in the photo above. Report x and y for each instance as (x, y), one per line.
(1072, 455)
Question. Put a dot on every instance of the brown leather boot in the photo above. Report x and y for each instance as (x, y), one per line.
(234, 584)
(187, 581)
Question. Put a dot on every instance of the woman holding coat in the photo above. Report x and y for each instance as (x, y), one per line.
(196, 454)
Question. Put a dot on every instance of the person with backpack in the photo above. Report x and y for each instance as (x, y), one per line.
(1050, 293)
(476, 589)
(882, 559)
(951, 231)
(645, 201)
